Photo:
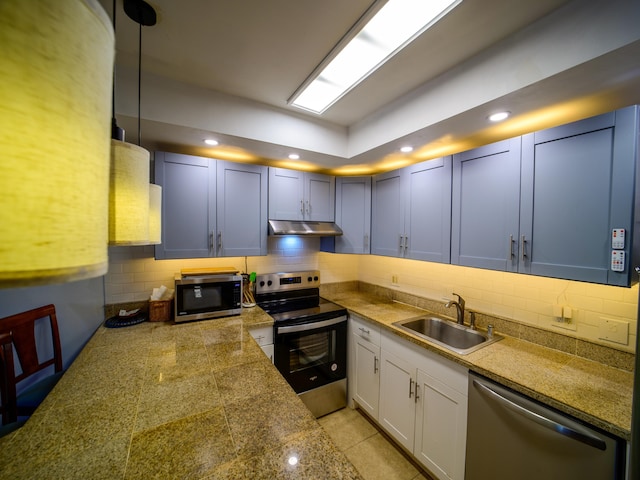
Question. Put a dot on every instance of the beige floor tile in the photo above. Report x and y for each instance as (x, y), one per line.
(347, 427)
(375, 458)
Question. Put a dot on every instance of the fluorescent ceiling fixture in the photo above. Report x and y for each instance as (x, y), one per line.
(406, 149)
(210, 141)
(392, 28)
(498, 117)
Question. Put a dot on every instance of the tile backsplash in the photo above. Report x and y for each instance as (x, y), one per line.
(530, 300)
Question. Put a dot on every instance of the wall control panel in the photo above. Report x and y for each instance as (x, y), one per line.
(617, 250)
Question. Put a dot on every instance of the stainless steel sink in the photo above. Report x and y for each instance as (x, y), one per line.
(458, 338)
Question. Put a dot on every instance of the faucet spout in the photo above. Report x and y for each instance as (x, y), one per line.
(459, 308)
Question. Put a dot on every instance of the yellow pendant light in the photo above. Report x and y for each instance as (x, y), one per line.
(56, 64)
(128, 195)
(155, 214)
(129, 206)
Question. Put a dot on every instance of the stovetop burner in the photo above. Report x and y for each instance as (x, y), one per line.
(294, 297)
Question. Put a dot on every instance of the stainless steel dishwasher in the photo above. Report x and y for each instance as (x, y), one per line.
(510, 436)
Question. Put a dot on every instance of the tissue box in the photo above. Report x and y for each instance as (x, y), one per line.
(160, 310)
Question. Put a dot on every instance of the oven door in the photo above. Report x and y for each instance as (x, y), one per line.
(313, 354)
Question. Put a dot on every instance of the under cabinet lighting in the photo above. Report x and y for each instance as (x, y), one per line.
(294, 156)
(406, 149)
(389, 30)
(211, 142)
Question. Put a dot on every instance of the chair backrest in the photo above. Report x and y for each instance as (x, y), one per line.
(8, 404)
(21, 327)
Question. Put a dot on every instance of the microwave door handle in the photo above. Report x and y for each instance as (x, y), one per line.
(310, 326)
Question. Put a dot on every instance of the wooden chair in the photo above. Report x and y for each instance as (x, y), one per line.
(17, 332)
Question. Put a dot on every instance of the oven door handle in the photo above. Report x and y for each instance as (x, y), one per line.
(310, 326)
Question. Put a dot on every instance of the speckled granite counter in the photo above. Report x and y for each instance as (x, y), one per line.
(596, 393)
(158, 400)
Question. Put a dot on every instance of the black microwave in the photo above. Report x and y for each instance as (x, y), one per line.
(207, 296)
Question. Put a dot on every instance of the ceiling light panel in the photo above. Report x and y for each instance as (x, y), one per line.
(392, 28)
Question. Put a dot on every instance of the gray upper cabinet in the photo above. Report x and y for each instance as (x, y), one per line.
(241, 209)
(485, 206)
(353, 216)
(188, 205)
(296, 195)
(578, 183)
(411, 212)
(210, 207)
(547, 203)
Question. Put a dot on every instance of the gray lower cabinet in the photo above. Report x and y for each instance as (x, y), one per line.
(548, 203)
(210, 207)
(411, 212)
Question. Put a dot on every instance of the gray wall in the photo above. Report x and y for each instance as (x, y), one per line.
(79, 308)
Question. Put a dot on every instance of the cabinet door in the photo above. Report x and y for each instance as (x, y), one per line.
(188, 205)
(428, 210)
(387, 214)
(572, 179)
(353, 214)
(241, 209)
(397, 402)
(286, 192)
(367, 375)
(485, 206)
(319, 197)
(441, 428)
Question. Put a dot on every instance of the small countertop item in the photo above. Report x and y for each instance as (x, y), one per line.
(126, 319)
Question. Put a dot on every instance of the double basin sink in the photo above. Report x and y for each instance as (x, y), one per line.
(458, 338)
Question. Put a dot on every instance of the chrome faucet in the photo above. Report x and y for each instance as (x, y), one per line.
(459, 307)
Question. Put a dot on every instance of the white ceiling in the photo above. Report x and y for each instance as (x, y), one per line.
(263, 50)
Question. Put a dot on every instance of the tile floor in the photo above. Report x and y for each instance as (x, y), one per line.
(371, 453)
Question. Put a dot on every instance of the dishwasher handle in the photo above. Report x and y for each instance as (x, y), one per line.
(583, 437)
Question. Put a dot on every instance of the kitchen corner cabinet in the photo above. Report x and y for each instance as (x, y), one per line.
(353, 216)
(547, 203)
(411, 212)
(364, 381)
(210, 207)
(296, 195)
(423, 405)
(264, 337)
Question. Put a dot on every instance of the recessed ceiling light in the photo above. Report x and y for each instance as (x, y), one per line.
(294, 156)
(499, 116)
(386, 31)
(210, 141)
(406, 149)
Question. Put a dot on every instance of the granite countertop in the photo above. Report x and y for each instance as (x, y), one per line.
(596, 393)
(161, 400)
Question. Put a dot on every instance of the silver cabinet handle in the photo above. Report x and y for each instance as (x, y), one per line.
(366, 241)
(583, 437)
(219, 242)
(406, 243)
(510, 254)
(410, 387)
(375, 364)
(308, 208)
(364, 330)
(417, 396)
(301, 207)
(401, 241)
(211, 234)
(523, 253)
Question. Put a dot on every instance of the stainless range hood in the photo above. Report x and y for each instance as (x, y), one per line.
(306, 228)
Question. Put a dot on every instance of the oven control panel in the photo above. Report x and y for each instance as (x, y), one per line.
(279, 282)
